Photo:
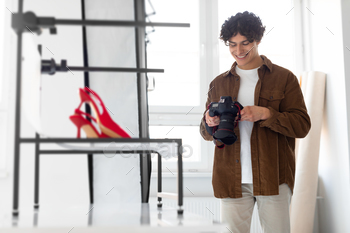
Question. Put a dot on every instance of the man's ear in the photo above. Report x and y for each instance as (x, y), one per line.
(258, 42)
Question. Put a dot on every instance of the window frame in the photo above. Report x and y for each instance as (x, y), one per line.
(187, 115)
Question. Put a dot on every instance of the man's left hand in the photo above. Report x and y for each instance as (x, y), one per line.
(254, 113)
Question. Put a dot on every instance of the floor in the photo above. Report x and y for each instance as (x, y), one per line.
(106, 218)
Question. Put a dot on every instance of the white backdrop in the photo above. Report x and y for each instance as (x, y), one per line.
(118, 176)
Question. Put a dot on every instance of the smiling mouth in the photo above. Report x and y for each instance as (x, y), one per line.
(241, 57)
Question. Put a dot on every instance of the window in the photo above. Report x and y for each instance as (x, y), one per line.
(177, 51)
(193, 57)
(177, 102)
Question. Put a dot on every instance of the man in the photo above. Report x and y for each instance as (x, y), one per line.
(260, 165)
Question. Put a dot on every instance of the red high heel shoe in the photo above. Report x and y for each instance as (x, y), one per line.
(107, 125)
(90, 131)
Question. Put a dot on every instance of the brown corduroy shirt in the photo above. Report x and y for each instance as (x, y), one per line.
(272, 140)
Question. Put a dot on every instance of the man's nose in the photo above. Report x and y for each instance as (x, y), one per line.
(239, 49)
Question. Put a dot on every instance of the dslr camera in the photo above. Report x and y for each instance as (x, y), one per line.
(228, 110)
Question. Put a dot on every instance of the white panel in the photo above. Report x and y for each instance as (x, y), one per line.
(63, 178)
(306, 177)
(31, 81)
(118, 176)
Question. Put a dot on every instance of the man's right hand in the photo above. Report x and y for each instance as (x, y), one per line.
(211, 121)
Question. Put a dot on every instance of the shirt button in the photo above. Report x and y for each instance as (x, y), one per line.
(271, 97)
(237, 79)
(234, 98)
(237, 160)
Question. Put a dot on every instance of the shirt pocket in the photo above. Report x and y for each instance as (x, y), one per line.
(271, 99)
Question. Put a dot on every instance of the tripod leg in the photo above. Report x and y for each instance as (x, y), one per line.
(37, 171)
(91, 178)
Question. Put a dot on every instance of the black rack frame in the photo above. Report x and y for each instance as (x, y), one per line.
(23, 21)
(39, 152)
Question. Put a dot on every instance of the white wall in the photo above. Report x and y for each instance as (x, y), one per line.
(328, 35)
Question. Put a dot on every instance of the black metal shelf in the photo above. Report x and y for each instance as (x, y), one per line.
(39, 152)
(29, 22)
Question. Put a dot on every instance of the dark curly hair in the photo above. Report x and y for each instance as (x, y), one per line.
(247, 24)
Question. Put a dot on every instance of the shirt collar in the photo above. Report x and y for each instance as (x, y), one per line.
(266, 62)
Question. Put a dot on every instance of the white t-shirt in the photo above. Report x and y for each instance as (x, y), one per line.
(245, 97)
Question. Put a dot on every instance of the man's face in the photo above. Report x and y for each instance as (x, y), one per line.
(244, 53)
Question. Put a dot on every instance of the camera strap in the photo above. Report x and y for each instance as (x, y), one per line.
(221, 146)
(239, 113)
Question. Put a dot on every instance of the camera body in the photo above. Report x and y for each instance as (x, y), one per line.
(228, 110)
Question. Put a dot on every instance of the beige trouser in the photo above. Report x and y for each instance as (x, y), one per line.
(273, 211)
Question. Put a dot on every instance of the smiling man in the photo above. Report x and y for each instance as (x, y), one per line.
(260, 166)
